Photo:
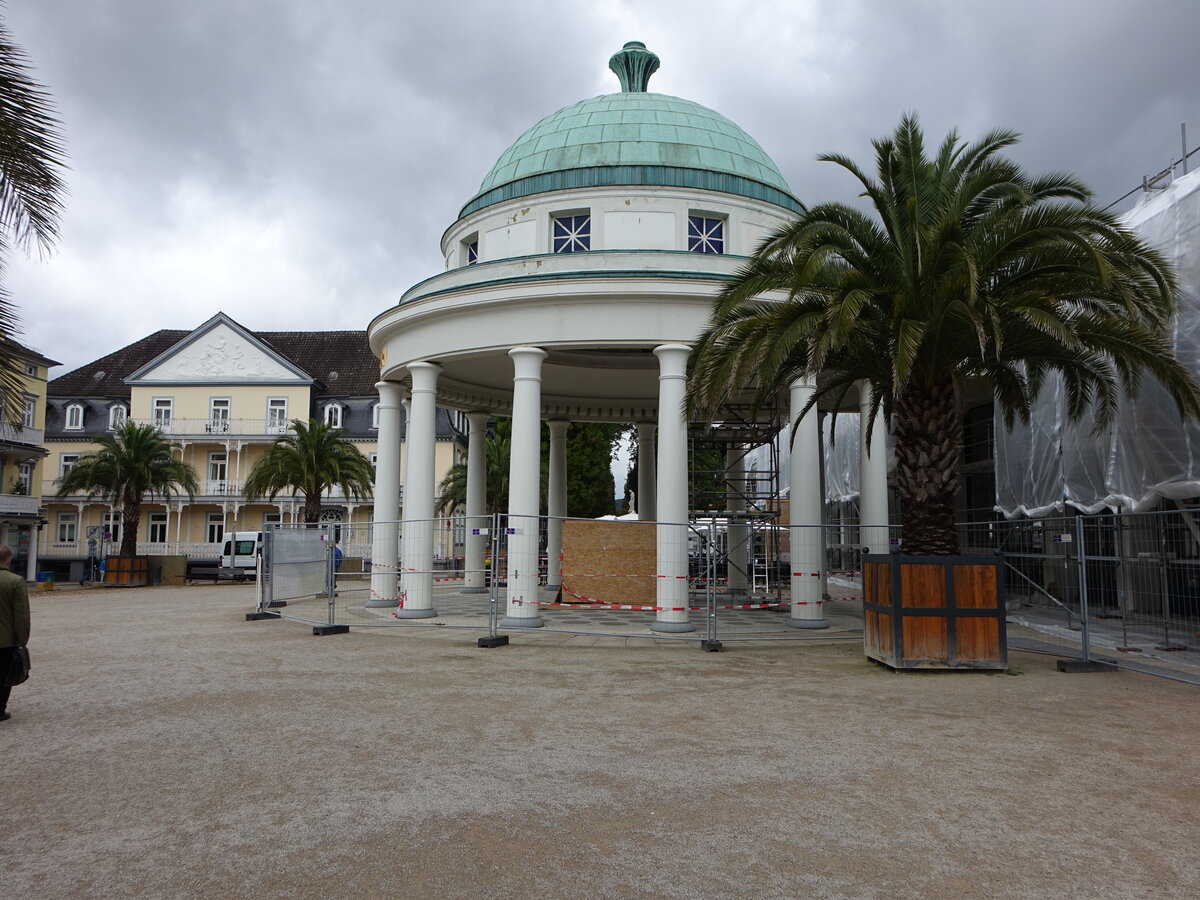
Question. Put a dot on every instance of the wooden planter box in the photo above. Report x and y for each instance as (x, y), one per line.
(130, 571)
(935, 612)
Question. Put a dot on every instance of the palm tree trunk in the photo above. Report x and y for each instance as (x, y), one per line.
(131, 517)
(928, 452)
(312, 507)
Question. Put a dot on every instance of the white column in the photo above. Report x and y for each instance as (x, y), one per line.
(671, 507)
(416, 558)
(556, 502)
(737, 537)
(32, 560)
(646, 488)
(872, 467)
(524, 476)
(475, 581)
(386, 512)
(804, 504)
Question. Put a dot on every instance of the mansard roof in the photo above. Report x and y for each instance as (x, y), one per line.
(340, 361)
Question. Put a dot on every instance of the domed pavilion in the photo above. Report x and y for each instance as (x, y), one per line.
(576, 280)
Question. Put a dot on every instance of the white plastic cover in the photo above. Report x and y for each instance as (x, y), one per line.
(1148, 453)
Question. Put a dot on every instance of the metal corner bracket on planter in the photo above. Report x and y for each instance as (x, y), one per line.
(935, 612)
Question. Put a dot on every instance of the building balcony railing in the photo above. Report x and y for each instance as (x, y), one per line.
(20, 434)
(217, 427)
(19, 504)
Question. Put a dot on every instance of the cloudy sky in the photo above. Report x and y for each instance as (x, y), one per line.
(294, 163)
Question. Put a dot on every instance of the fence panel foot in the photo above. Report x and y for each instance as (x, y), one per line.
(320, 630)
(499, 640)
(711, 646)
(1084, 665)
(259, 616)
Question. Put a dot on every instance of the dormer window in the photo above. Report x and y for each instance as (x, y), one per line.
(74, 417)
(116, 417)
(333, 415)
(31, 370)
(572, 234)
(706, 234)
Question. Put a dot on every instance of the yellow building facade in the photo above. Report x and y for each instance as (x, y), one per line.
(22, 459)
(223, 394)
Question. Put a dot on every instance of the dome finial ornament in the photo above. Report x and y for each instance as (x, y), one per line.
(634, 65)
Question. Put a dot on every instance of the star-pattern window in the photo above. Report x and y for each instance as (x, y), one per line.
(572, 233)
(706, 235)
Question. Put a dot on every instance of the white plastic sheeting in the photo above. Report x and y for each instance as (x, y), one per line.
(1148, 453)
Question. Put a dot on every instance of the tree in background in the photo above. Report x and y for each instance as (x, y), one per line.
(134, 464)
(32, 158)
(968, 268)
(590, 450)
(312, 458)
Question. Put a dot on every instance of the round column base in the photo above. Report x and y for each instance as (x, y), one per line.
(381, 603)
(672, 627)
(416, 613)
(806, 623)
(474, 590)
(522, 622)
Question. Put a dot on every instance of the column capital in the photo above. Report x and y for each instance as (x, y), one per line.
(478, 420)
(558, 427)
(527, 363)
(672, 360)
(804, 382)
(391, 393)
(424, 376)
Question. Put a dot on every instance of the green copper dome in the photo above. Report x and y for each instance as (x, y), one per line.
(634, 137)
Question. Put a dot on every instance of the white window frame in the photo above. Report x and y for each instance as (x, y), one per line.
(154, 523)
(31, 370)
(74, 417)
(117, 414)
(277, 424)
(218, 461)
(332, 415)
(470, 249)
(704, 236)
(218, 415)
(29, 412)
(66, 461)
(66, 528)
(576, 239)
(211, 521)
(25, 476)
(110, 524)
(162, 411)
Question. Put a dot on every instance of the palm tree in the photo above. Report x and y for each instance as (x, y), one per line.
(31, 188)
(453, 488)
(133, 464)
(311, 458)
(968, 268)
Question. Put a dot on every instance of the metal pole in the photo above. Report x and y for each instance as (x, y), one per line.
(1183, 143)
(1083, 590)
(493, 580)
(330, 575)
(710, 581)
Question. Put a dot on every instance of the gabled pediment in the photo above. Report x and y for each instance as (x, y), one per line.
(219, 352)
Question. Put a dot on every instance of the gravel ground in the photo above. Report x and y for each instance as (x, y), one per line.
(165, 747)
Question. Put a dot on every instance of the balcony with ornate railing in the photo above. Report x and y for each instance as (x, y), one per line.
(19, 505)
(216, 428)
(20, 434)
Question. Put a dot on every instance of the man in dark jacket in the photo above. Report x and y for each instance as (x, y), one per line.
(14, 621)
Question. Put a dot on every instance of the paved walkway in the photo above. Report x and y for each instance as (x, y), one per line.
(166, 747)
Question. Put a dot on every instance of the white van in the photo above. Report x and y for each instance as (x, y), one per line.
(239, 556)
